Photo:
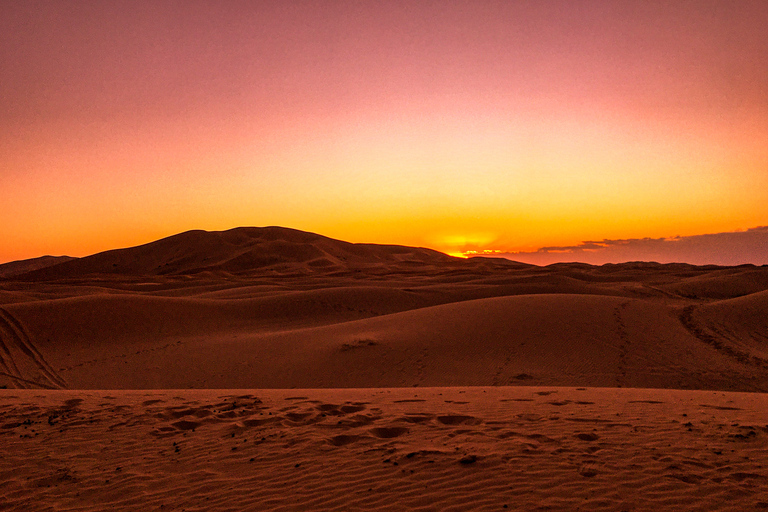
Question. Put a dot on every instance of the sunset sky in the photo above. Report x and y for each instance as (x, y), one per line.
(504, 126)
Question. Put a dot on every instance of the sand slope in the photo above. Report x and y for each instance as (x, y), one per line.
(724, 283)
(274, 307)
(15, 268)
(738, 327)
(308, 340)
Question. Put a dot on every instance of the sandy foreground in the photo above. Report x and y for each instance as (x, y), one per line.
(374, 377)
(473, 448)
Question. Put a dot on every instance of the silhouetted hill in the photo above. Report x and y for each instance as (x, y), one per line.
(23, 266)
(241, 251)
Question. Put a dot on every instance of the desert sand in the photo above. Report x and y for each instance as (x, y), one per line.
(473, 448)
(272, 369)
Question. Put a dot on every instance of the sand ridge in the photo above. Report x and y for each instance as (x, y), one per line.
(197, 310)
(371, 336)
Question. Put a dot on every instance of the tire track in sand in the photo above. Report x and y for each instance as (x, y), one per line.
(621, 330)
(16, 339)
(7, 362)
(720, 344)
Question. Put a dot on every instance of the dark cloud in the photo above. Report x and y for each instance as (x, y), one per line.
(731, 248)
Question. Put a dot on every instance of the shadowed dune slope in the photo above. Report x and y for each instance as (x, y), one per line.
(111, 319)
(742, 316)
(15, 268)
(238, 250)
(553, 339)
(737, 326)
(723, 283)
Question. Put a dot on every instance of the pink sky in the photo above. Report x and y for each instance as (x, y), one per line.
(507, 126)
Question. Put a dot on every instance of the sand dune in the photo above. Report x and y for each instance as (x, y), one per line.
(237, 251)
(16, 268)
(404, 341)
(725, 283)
(737, 327)
(285, 341)
(200, 310)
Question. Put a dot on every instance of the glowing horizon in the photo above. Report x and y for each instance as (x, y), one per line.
(460, 126)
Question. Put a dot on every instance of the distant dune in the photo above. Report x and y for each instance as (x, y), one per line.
(275, 307)
(239, 251)
(16, 268)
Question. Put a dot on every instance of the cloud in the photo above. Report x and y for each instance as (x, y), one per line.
(731, 248)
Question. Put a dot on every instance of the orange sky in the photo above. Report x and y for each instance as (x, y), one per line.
(454, 125)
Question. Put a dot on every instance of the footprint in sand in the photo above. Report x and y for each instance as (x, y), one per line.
(458, 419)
(257, 422)
(72, 403)
(720, 407)
(388, 432)
(684, 476)
(200, 412)
(541, 438)
(740, 476)
(329, 409)
(186, 424)
(350, 408)
(358, 420)
(588, 470)
(344, 439)
(298, 416)
(417, 418)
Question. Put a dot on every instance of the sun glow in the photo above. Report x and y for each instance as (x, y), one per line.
(512, 126)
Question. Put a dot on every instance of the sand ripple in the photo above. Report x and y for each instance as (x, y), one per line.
(384, 449)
